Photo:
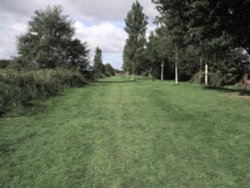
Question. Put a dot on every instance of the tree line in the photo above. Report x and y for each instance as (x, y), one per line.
(199, 40)
(50, 43)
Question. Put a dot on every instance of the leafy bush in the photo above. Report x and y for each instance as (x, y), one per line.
(197, 79)
(7, 97)
(22, 88)
(215, 79)
(222, 79)
(99, 75)
(4, 63)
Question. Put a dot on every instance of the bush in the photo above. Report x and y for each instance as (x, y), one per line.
(69, 78)
(99, 75)
(7, 97)
(197, 79)
(4, 63)
(23, 87)
(214, 79)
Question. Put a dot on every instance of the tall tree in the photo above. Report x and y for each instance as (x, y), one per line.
(209, 33)
(49, 33)
(172, 17)
(151, 54)
(98, 64)
(215, 18)
(218, 28)
(109, 70)
(159, 52)
(136, 26)
(77, 54)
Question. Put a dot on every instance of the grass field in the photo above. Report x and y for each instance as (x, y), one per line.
(130, 134)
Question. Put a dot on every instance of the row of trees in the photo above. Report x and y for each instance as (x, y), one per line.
(50, 43)
(209, 38)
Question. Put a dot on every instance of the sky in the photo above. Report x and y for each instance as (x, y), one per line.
(99, 23)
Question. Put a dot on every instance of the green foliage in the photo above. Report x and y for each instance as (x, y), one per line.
(172, 19)
(77, 54)
(197, 78)
(136, 26)
(212, 19)
(109, 70)
(99, 68)
(48, 42)
(172, 15)
(202, 33)
(24, 87)
(4, 63)
(7, 97)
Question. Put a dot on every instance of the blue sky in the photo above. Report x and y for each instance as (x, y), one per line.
(99, 23)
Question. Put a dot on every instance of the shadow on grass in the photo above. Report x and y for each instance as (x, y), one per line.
(242, 92)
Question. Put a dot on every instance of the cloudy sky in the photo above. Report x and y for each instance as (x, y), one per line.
(98, 22)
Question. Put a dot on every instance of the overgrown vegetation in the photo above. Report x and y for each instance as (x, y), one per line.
(49, 41)
(4, 63)
(21, 89)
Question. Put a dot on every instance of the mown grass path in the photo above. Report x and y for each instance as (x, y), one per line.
(130, 134)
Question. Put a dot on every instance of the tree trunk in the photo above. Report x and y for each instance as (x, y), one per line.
(206, 74)
(133, 77)
(150, 72)
(127, 75)
(176, 65)
(200, 70)
(162, 70)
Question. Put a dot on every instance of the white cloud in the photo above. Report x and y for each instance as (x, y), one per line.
(11, 27)
(95, 9)
(18, 27)
(100, 23)
(108, 36)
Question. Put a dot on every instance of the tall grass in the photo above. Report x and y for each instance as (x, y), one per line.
(22, 88)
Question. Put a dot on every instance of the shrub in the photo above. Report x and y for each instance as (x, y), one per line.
(69, 78)
(215, 79)
(196, 79)
(4, 63)
(8, 96)
(23, 87)
(99, 75)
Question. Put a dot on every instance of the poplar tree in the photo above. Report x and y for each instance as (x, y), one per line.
(98, 64)
(136, 26)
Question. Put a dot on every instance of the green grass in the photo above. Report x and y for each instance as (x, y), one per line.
(130, 134)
